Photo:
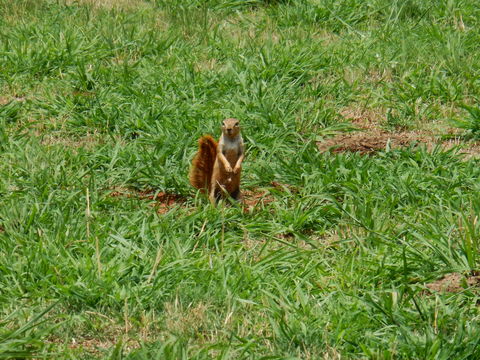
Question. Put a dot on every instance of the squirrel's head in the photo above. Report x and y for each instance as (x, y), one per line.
(231, 127)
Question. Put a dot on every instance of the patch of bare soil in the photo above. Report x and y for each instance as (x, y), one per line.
(163, 201)
(282, 187)
(254, 198)
(110, 4)
(371, 140)
(454, 282)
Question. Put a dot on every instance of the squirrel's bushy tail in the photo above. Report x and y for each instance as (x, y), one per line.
(202, 163)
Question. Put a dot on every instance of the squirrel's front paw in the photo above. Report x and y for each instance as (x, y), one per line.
(228, 169)
(236, 169)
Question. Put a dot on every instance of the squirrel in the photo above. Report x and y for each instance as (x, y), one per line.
(217, 166)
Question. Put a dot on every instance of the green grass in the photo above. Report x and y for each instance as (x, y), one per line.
(100, 98)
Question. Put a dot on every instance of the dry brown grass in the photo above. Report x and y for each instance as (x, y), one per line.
(364, 117)
(89, 141)
(111, 4)
(454, 282)
(107, 335)
(4, 100)
(250, 27)
(184, 320)
(206, 63)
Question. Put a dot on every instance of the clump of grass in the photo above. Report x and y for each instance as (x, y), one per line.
(471, 123)
(23, 341)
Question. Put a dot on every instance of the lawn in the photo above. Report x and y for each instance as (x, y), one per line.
(365, 248)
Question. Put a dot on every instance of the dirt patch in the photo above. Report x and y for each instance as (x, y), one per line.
(371, 137)
(454, 282)
(111, 4)
(372, 140)
(253, 198)
(257, 197)
(165, 201)
(284, 187)
(162, 201)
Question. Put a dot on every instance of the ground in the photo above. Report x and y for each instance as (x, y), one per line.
(357, 235)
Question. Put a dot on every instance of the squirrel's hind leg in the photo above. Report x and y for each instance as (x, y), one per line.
(212, 197)
(215, 195)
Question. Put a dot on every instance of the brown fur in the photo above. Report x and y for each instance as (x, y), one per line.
(202, 164)
(217, 166)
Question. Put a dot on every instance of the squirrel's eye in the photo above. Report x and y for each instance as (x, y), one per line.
(236, 124)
